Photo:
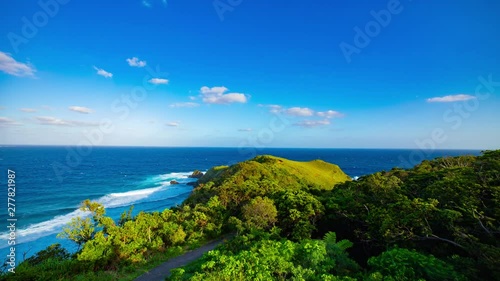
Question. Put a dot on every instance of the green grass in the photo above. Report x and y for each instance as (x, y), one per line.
(264, 175)
(315, 172)
(318, 172)
(213, 173)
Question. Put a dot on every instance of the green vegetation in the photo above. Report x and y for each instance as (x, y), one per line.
(263, 258)
(445, 207)
(316, 172)
(302, 221)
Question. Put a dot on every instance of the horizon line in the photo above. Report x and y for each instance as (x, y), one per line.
(236, 147)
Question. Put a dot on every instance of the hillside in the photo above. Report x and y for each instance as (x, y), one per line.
(265, 175)
(315, 172)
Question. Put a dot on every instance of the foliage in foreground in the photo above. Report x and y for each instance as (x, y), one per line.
(262, 258)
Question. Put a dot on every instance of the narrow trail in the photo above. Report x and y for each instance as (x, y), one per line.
(160, 272)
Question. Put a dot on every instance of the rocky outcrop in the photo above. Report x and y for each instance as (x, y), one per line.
(196, 174)
(174, 182)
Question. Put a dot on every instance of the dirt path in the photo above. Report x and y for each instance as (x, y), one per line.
(163, 270)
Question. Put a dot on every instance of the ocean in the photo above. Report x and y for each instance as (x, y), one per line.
(52, 181)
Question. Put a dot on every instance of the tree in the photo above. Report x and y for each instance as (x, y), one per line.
(404, 264)
(79, 231)
(298, 212)
(336, 252)
(260, 213)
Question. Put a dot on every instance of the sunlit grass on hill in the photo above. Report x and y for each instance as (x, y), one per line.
(316, 172)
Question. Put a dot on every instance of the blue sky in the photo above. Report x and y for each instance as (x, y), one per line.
(356, 74)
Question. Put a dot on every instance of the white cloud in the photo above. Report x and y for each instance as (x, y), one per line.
(216, 95)
(185, 104)
(173, 124)
(451, 98)
(28, 110)
(148, 3)
(299, 111)
(10, 66)
(4, 121)
(83, 123)
(80, 109)
(330, 114)
(228, 98)
(192, 98)
(273, 108)
(302, 112)
(245, 130)
(48, 120)
(136, 62)
(313, 123)
(158, 81)
(103, 72)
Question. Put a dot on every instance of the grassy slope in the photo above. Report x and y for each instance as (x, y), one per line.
(319, 172)
(316, 172)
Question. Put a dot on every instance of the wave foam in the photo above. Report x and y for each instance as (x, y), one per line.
(173, 176)
(45, 228)
(112, 200)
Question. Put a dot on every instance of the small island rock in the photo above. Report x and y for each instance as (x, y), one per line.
(174, 182)
(196, 174)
